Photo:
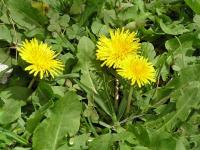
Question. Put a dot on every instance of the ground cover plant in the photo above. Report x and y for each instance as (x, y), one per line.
(99, 74)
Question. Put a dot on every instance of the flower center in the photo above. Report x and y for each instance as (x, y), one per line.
(139, 69)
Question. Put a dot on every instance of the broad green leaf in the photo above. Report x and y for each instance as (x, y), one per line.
(59, 90)
(44, 93)
(124, 146)
(140, 133)
(96, 26)
(97, 98)
(75, 32)
(77, 7)
(85, 46)
(191, 127)
(69, 60)
(162, 65)
(64, 119)
(148, 51)
(25, 15)
(54, 28)
(78, 142)
(15, 92)
(134, 12)
(164, 109)
(5, 58)
(10, 111)
(180, 145)
(36, 117)
(124, 135)
(59, 43)
(141, 148)
(186, 75)
(88, 78)
(162, 141)
(196, 19)
(91, 113)
(182, 49)
(194, 5)
(129, 13)
(64, 147)
(64, 20)
(103, 142)
(181, 44)
(186, 100)
(36, 32)
(99, 29)
(173, 28)
(5, 33)
(91, 8)
(109, 17)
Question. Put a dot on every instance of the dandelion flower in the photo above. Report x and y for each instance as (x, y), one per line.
(138, 70)
(41, 59)
(116, 48)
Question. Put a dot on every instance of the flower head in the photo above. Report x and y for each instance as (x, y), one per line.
(41, 59)
(138, 70)
(116, 48)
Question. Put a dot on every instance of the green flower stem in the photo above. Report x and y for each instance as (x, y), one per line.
(114, 118)
(129, 100)
(31, 83)
(92, 128)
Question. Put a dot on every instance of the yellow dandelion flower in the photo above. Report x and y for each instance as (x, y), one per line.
(138, 70)
(116, 48)
(41, 59)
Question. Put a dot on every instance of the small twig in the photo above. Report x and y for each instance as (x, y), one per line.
(105, 125)
(130, 118)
